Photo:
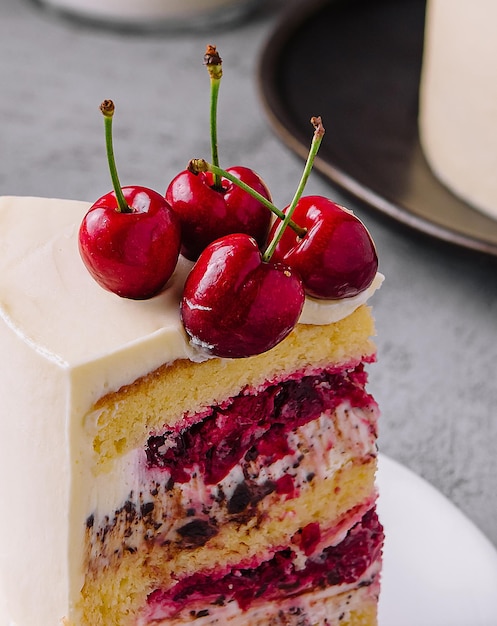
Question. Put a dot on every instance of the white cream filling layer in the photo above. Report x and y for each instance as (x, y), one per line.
(321, 446)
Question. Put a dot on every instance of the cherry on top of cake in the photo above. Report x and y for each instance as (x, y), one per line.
(243, 295)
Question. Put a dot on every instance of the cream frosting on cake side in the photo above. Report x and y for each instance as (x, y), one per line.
(69, 343)
(458, 98)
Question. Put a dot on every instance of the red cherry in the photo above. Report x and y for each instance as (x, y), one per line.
(236, 305)
(208, 213)
(336, 258)
(131, 253)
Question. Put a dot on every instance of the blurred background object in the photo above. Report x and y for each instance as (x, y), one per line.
(154, 15)
(458, 99)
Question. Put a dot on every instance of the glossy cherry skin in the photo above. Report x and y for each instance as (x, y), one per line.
(236, 305)
(207, 213)
(336, 258)
(131, 254)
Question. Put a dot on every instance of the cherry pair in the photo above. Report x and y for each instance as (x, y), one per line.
(131, 238)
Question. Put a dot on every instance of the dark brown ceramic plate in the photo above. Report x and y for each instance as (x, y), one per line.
(357, 64)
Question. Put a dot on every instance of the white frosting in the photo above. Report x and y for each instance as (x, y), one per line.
(65, 343)
(320, 312)
(458, 98)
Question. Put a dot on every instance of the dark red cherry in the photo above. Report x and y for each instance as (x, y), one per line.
(236, 305)
(129, 239)
(131, 253)
(208, 213)
(336, 258)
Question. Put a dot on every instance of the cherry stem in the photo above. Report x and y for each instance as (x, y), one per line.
(201, 165)
(107, 108)
(316, 142)
(213, 62)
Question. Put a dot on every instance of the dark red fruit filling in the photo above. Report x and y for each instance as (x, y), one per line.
(309, 537)
(254, 425)
(278, 578)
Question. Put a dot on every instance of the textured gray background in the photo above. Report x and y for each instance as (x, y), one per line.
(437, 312)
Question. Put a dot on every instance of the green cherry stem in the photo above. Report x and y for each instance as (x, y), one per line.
(213, 63)
(107, 108)
(316, 142)
(201, 165)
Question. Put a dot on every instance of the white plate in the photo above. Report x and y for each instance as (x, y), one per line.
(439, 569)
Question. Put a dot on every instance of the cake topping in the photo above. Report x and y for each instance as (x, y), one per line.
(209, 205)
(237, 305)
(130, 238)
(242, 297)
(336, 258)
(326, 244)
(329, 250)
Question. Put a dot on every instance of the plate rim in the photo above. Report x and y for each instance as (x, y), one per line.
(282, 124)
(400, 486)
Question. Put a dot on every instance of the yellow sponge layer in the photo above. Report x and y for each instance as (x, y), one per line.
(125, 418)
(111, 596)
(367, 616)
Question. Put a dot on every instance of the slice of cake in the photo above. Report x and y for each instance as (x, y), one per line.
(146, 484)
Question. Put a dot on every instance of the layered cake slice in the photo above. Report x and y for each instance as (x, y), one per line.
(149, 484)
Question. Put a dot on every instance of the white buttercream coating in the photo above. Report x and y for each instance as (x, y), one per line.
(320, 312)
(65, 342)
(458, 98)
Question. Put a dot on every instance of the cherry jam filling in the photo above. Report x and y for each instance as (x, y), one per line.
(253, 425)
(278, 578)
